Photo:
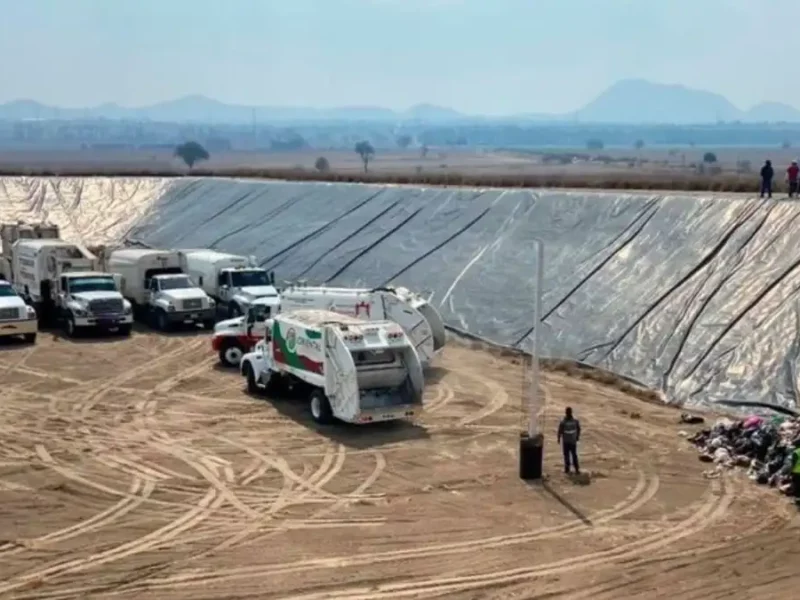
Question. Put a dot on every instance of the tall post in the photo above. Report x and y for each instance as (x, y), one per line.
(531, 442)
(533, 421)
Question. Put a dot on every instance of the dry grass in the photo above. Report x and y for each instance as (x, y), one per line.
(613, 181)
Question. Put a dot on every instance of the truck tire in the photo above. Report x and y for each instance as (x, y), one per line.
(209, 324)
(30, 338)
(321, 408)
(69, 326)
(252, 386)
(125, 330)
(231, 354)
(162, 321)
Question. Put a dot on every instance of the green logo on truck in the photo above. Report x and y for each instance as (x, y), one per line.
(300, 350)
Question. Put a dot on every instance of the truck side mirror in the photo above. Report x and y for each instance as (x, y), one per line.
(272, 277)
(200, 281)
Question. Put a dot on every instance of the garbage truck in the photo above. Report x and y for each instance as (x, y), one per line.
(418, 318)
(349, 369)
(16, 317)
(161, 293)
(59, 279)
(233, 338)
(233, 281)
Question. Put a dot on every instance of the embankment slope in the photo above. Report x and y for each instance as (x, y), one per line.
(692, 295)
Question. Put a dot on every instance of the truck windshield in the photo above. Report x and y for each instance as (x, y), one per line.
(242, 279)
(176, 283)
(91, 284)
(7, 291)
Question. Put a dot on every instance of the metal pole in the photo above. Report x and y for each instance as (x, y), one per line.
(533, 423)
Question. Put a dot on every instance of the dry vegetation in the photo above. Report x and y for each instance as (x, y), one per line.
(615, 181)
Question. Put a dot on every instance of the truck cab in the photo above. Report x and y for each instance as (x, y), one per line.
(234, 337)
(239, 287)
(175, 299)
(89, 299)
(16, 317)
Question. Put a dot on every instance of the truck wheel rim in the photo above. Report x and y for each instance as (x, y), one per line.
(316, 407)
(233, 355)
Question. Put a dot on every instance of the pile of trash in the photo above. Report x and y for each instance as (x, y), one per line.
(762, 445)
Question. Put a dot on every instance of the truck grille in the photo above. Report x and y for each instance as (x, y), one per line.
(111, 306)
(192, 304)
(9, 314)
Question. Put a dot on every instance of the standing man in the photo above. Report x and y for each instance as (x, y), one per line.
(791, 176)
(767, 173)
(569, 434)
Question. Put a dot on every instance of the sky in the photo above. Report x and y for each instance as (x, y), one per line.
(491, 57)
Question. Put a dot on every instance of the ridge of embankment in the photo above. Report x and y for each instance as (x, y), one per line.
(691, 295)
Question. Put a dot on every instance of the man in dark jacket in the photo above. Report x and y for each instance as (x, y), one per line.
(569, 434)
(767, 174)
(792, 174)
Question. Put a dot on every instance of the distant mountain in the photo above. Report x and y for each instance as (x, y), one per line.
(640, 101)
(632, 101)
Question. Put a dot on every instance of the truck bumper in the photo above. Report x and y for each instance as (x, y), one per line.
(104, 322)
(9, 328)
(192, 316)
(389, 414)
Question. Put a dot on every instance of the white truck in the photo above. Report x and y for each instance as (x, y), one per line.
(59, 279)
(233, 281)
(159, 290)
(418, 318)
(16, 317)
(233, 338)
(353, 370)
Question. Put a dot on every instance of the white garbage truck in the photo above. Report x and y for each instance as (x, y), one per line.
(16, 317)
(60, 280)
(419, 319)
(349, 369)
(233, 338)
(233, 281)
(161, 293)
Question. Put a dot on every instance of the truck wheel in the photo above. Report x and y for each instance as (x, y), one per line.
(30, 338)
(69, 326)
(162, 322)
(209, 324)
(234, 311)
(252, 386)
(231, 354)
(125, 330)
(321, 408)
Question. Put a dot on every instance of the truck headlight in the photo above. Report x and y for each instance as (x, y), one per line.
(30, 312)
(171, 307)
(128, 309)
(211, 303)
(80, 312)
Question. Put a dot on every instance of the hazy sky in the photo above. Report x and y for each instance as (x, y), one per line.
(478, 56)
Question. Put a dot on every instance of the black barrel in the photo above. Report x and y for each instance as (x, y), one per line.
(531, 456)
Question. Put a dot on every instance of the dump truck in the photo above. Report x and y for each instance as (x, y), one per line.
(16, 317)
(348, 369)
(159, 290)
(60, 281)
(233, 338)
(418, 318)
(233, 281)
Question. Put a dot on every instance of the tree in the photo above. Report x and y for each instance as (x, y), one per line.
(322, 165)
(709, 157)
(403, 141)
(639, 144)
(423, 152)
(365, 150)
(595, 144)
(786, 144)
(191, 153)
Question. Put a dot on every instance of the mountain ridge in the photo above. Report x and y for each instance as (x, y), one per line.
(629, 101)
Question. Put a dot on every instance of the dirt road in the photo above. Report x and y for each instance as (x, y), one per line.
(139, 469)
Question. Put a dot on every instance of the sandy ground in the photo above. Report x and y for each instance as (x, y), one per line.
(139, 469)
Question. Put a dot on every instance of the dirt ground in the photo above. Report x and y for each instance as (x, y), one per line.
(139, 469)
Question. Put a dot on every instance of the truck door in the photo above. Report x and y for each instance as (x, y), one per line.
(152, 290)
(341, 382)
(224, 286)
(412, 322)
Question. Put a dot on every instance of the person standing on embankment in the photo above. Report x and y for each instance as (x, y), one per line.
(796, 473)
(569, 434)
(767, 173)
(791, 177)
